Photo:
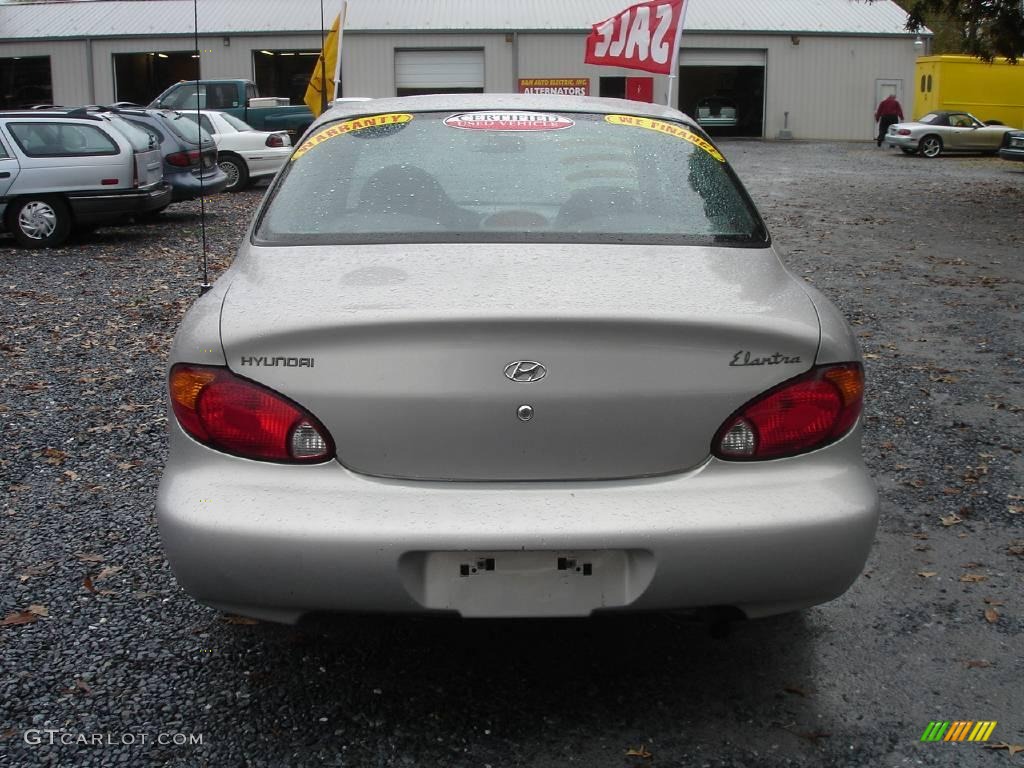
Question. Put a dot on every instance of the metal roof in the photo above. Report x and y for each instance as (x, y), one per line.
(140, 18)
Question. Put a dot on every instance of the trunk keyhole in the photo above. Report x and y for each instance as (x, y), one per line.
(525, 412)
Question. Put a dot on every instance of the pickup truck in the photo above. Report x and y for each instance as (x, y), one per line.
(239, 98)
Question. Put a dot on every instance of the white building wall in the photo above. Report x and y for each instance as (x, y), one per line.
(827, 84)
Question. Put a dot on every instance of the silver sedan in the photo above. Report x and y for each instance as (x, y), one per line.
(499, 355)
(938, 132)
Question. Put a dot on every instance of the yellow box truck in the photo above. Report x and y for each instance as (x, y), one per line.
(990, 92)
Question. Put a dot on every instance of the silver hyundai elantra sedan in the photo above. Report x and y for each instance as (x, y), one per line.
(512, 356)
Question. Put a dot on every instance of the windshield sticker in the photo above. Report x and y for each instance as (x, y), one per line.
(380, 122)
(670, 129)
(509, 121)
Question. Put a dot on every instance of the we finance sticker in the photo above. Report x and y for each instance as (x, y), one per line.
(669, 129)
(509, 121)
(380, 125)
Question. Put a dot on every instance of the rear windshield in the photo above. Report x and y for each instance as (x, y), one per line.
(234, 122)
(140, 139)
(184, 128)
(507, 177)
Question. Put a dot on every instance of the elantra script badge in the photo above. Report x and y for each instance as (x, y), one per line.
(525, 370)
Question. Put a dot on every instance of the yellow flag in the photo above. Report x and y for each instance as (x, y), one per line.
(317, 97)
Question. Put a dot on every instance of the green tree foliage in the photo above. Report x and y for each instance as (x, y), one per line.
(988, 29)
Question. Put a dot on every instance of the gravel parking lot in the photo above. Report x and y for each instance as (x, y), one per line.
(101, 650)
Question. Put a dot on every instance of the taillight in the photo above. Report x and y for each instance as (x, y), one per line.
(184, 159)
(238, 416)
(275, 140)
(799, 415)
(903, 131)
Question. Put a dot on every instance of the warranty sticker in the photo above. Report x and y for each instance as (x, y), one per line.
(671, 129)
(340, 129)
(509, 121)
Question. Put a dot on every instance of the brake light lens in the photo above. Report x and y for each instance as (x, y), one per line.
(238, 416)
(184, 159)
(903, 131)
(800, 415)
(275, 140)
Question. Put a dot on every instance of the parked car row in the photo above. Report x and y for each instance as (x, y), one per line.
(67, 169)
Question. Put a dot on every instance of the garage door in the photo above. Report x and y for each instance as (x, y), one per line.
(439, 72)
(721, 57)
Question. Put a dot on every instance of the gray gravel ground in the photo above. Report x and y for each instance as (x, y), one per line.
(924, 257)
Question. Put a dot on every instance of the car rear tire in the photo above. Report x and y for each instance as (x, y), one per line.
(930, 146)
(237, 172)
(39, 222)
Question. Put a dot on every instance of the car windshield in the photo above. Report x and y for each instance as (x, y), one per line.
(508, 177)
(234, 122)
(185, 128)
(931, 117)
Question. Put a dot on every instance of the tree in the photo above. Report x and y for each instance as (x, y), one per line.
(988, 29)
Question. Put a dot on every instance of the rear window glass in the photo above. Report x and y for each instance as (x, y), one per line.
(185, 128)
(234, 122)
(39, 139)
(141, 138)
(508, 176)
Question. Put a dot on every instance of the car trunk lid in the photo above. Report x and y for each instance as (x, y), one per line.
(410, 355)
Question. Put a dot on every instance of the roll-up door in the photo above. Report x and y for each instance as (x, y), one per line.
(721, 57)
(433, 71)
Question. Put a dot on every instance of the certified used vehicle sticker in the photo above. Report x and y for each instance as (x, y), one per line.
(509, 121)
(358, 124)
(670, 129)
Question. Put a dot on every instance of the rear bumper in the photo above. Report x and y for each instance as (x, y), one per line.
(188, 186)
(903, 142)
(94, 208)
(1012, 153)
(277, 542)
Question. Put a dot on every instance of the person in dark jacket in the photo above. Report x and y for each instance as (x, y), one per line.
(889, 111)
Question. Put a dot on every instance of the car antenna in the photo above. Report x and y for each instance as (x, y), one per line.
(204, 286)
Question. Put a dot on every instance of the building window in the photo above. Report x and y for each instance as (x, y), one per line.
(25, 81)
(285, 73)
(141, 77)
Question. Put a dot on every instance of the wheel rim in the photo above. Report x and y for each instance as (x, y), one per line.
(232, 172)
(930, 147)
(37, 220)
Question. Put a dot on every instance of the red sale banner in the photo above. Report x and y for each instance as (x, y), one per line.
(644, 36)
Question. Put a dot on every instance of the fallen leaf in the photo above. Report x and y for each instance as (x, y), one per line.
(814, 736)
(1016, 547)
(19, 617)
(927, 574)
(991, 615)
(973, 578)
(797, 691)
(71, 474)
(971, 565)
(88, 557)
(38, 610)
(1012, 749)
(977, 664)
(109, 571)
(1015, 509)
(641, 752)
(87, 583)
(993, 601)
(54, 456)
(919, 535)
(949, 520)
(240, 620)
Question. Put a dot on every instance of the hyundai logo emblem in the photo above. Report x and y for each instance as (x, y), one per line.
(525, 370)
